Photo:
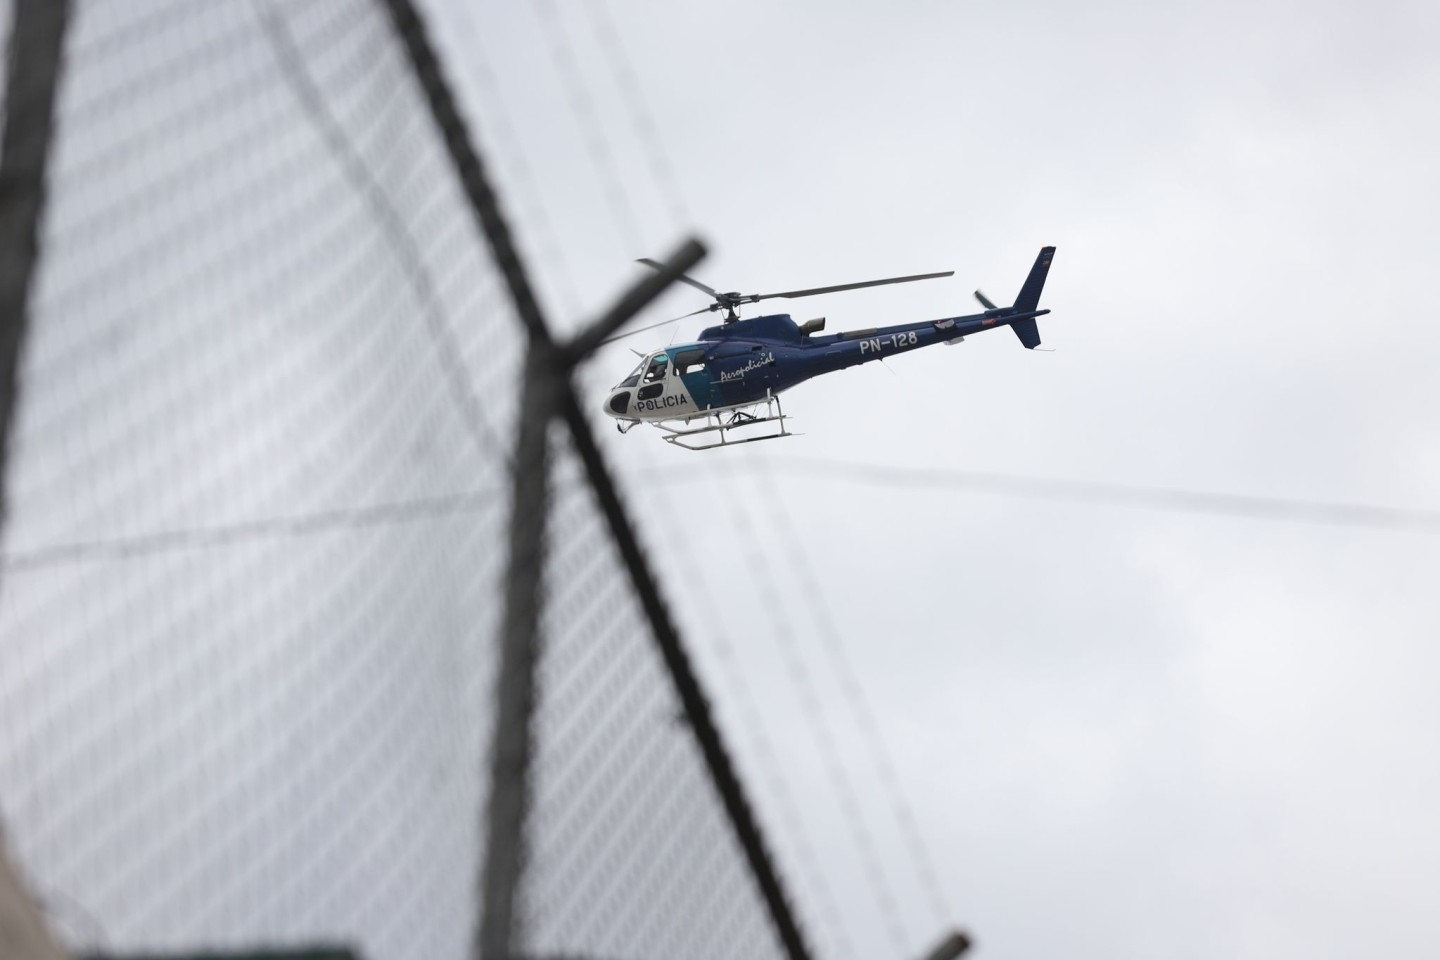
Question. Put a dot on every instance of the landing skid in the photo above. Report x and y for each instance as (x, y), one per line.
(726, 420)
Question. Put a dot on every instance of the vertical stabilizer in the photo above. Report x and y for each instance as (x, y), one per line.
(1029, 299)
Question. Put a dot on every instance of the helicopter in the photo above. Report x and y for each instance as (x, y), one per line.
(730, 380)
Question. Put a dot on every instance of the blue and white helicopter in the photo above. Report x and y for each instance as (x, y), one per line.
(730, 380)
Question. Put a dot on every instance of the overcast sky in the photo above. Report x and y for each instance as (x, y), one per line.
(1110, 731)
(1122, 733)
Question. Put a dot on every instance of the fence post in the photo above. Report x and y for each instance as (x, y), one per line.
(519, 654)
(32, 74)
(502, 867)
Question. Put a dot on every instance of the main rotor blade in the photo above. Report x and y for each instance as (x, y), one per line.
(631, 333)
(985, 301)
(682, 278)
(792, 294)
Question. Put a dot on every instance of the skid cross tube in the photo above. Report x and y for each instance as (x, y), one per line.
(723, 421)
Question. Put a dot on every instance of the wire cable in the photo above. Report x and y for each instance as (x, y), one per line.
(641, 116)
(602, 158)
(582, 107)
(437, 325)
(500, 121)
(692, 571)
(1400, 519)
(809, 700)
(156, 542)
(643, 123)
(884, 765)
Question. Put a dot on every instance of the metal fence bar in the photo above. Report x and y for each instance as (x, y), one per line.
(687, 685)
(515, 688)
(483, 200)
(32, 75)
(37, 37)
(494, 943)
(519, 651)
(635, 300)
(340, 44)
(546, 390)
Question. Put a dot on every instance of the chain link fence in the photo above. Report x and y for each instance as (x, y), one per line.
(259, 485)
(632, 855)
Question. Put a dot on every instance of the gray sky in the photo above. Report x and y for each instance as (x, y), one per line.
(1118, 732)
(1123, 733)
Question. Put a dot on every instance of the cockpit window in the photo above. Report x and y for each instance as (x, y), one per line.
(690, 361)
(633, 377)
(656, 370)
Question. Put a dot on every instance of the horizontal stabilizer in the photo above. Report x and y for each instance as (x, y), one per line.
(1028, 332)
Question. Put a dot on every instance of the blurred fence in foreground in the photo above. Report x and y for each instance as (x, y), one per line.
(266, 403)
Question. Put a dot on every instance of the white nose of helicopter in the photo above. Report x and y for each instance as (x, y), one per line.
(618, 404)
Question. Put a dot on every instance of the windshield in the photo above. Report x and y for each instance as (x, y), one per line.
(634, 376)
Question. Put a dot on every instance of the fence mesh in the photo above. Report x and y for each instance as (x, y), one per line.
(257, 499)
(632, 855)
